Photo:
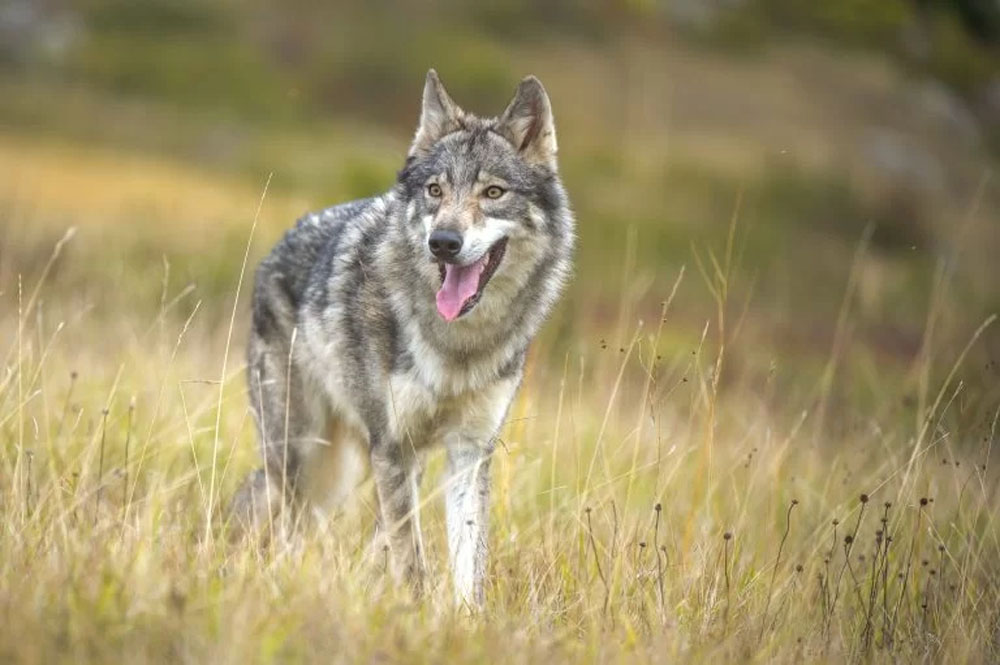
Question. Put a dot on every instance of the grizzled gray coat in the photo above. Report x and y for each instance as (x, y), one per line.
(384, 326)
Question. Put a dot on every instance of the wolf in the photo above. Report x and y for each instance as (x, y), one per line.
(386, 326)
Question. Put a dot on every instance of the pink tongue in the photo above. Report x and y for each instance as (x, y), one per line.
(460, 284)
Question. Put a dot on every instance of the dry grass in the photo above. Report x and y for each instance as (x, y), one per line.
(651, 501)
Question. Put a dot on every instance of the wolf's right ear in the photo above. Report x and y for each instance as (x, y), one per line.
(439, 115)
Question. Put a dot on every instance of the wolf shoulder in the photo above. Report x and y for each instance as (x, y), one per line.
(314, 236)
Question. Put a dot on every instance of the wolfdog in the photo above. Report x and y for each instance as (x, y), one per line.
(385, 326)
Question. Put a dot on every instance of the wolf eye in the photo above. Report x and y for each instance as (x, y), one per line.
(434, 190)
(494, 192)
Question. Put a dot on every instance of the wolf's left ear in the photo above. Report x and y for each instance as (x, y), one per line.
(439, 115)
(529, 124)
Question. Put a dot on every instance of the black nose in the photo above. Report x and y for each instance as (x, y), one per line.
(445, 244)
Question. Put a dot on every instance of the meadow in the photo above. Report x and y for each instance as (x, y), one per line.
(658, 496)
(758, 428)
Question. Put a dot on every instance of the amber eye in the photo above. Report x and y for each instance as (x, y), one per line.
(434, 190)
(494, 192)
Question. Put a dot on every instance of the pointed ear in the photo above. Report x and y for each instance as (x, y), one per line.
(529, 124)
(438, 116)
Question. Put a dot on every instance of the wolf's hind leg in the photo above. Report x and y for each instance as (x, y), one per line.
(333, 470)
(291, 422)
(255, 505)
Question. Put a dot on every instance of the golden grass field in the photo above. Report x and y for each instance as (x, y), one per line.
(654, 500)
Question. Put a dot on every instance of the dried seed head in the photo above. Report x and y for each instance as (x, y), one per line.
(848, 539)
(657, 507)
(923, 501)
(864, 498)
(798, 568)
(727, 536)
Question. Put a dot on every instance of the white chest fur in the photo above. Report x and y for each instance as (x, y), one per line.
(420, 416)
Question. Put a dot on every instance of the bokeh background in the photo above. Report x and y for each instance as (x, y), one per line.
(152, 127)
(811, 184)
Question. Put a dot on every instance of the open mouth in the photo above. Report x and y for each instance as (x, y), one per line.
(462, 286)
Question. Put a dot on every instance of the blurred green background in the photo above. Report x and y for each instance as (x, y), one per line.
(153, 125)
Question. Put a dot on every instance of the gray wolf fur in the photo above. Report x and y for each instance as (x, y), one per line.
(385, 326)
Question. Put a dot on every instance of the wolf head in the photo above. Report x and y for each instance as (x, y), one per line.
(485, 208)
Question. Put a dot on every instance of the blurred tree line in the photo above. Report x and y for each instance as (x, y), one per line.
(283, 62)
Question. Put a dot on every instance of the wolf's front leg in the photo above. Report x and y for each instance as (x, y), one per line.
(468, 510)
(397, 480)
